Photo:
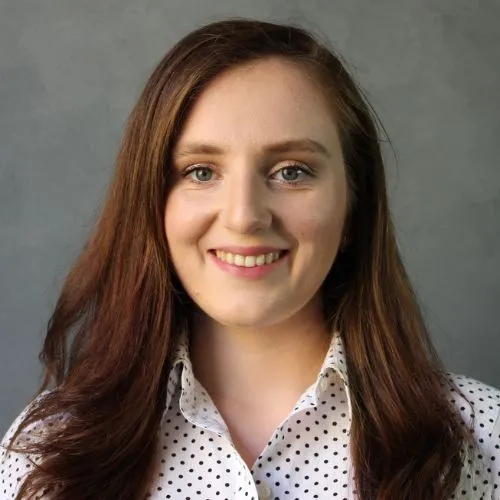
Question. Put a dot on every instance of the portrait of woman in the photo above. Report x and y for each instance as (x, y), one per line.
(240, 324)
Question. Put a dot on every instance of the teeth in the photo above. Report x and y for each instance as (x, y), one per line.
(248, 260)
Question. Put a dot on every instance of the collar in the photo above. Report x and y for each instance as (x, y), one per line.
(333, 363)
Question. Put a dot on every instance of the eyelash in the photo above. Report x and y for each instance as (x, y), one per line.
(293, 166)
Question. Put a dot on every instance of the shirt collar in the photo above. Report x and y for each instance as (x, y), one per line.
(182, 379)
(334, 360)
(195, 403)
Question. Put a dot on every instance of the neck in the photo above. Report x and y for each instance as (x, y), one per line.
(245, 365)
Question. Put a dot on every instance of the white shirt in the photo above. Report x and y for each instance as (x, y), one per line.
(307, 456)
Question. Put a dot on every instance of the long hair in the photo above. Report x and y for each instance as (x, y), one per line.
(109, 342)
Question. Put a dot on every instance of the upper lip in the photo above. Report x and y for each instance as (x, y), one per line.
(257, 250)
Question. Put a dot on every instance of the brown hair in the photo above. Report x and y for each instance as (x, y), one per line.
(110, 339)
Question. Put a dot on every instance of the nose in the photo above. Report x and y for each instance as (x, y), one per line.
(246, 203)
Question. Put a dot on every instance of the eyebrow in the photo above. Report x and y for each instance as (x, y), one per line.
(293, 145)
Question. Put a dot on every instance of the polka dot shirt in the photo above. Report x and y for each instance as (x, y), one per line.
(306, 457)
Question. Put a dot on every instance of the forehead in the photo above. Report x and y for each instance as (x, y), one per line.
(261, 102)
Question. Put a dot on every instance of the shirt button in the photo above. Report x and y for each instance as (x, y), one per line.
(323, 384)
(264, 491)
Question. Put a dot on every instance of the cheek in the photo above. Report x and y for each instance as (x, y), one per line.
(318, 225)
(183, 220)
(319, 239)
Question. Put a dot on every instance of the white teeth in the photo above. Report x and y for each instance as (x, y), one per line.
(260, 260)
(247, 260)
(239, 260)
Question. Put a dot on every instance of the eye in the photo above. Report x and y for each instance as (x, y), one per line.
(294, 173)
(290, 174)
(199, 173)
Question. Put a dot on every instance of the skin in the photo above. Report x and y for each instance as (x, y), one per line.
(257, 343)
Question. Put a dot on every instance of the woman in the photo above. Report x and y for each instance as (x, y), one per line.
(242, 324)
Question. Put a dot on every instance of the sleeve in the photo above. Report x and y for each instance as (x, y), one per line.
(14, 466)
(486, 402)
(493, 450)
(479, 406)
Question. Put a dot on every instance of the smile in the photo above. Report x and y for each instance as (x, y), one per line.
(248, 260)
(249, 266)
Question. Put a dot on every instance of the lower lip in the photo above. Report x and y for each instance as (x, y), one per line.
(249, 272)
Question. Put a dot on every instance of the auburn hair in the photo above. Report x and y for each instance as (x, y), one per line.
(108, 348)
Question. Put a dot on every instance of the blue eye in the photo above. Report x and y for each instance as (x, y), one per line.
(291, 173)
(201, 174)
(294, 174)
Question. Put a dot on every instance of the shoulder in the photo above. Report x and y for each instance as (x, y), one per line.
(477, 402)
(15, 465)
(479, 406)
(32, 430)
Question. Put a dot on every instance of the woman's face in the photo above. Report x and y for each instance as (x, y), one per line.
(258, 164)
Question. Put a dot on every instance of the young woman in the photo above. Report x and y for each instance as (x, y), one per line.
(240, 323)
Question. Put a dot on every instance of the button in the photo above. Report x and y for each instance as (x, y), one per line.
(323, 384)
(264, 491)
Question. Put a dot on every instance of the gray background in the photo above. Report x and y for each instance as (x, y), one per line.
(70, 71)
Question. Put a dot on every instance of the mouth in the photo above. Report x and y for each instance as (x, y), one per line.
(247, 261)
